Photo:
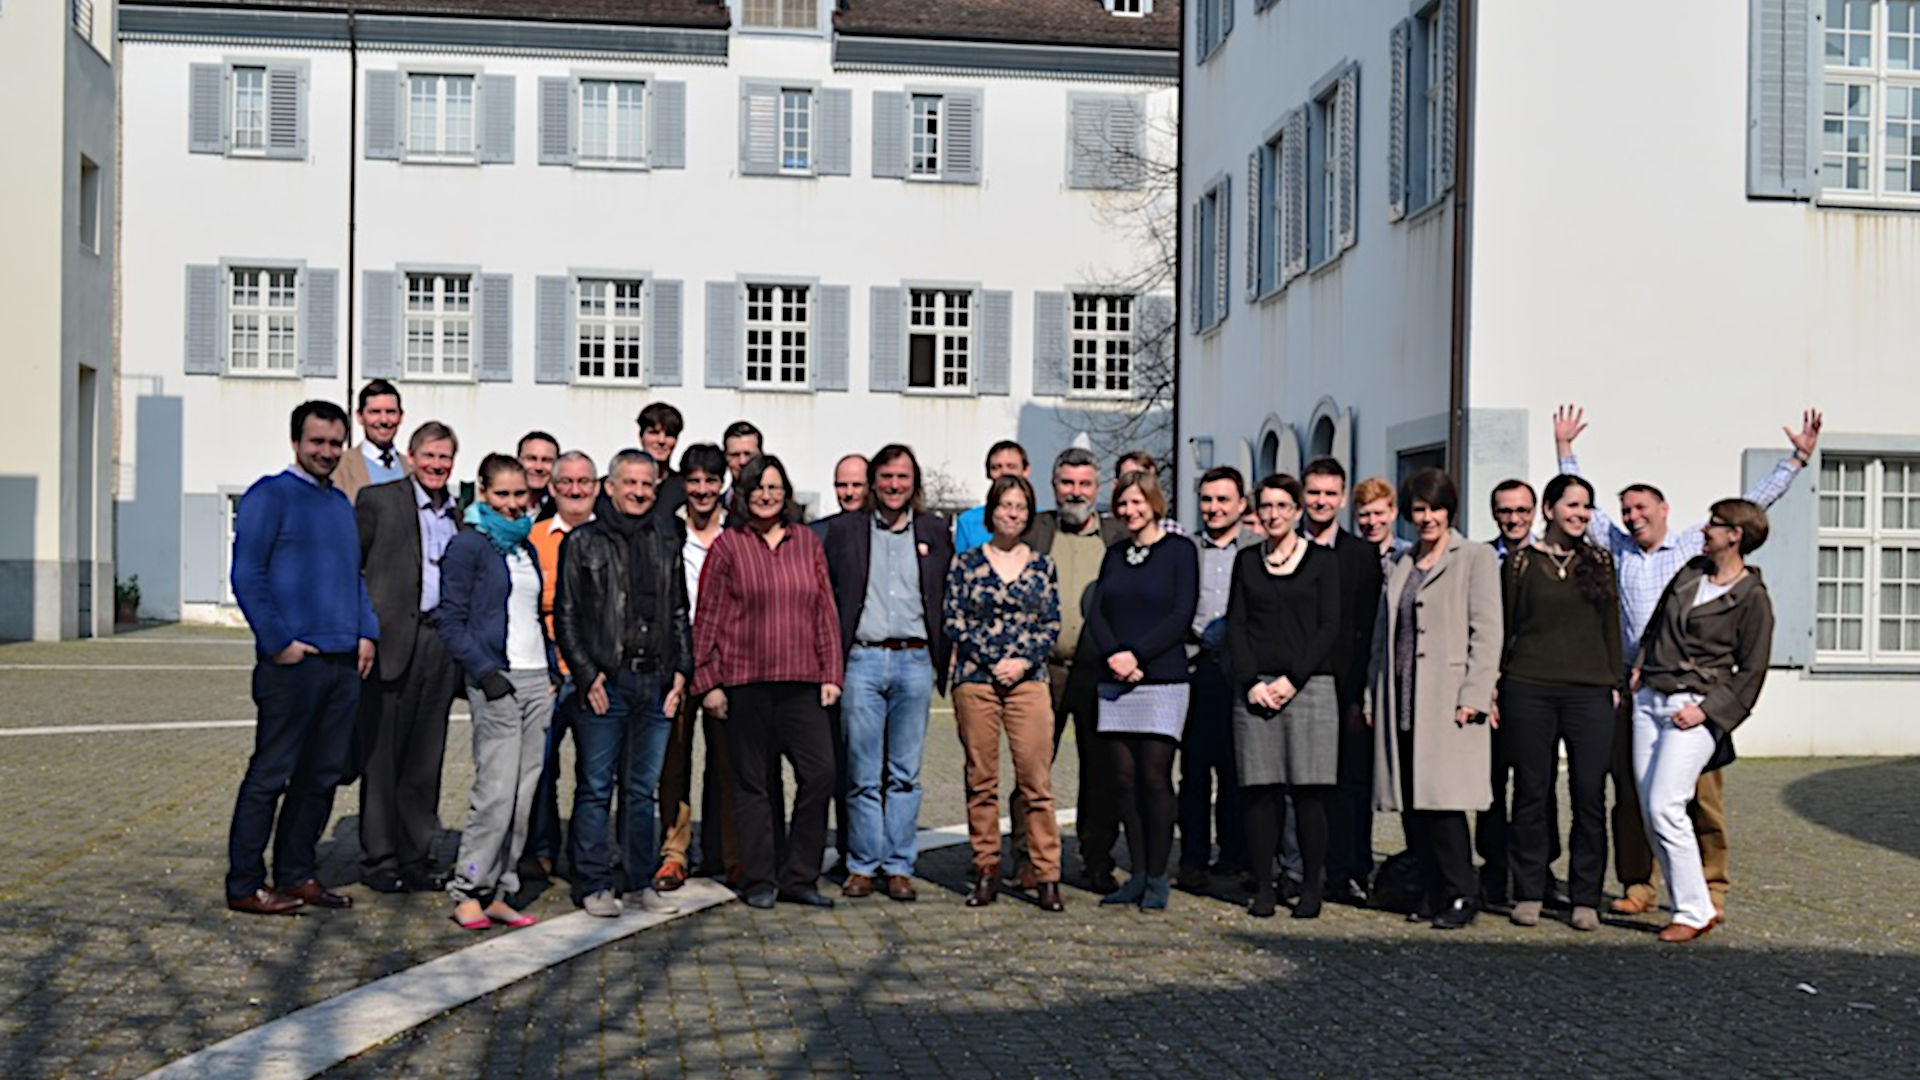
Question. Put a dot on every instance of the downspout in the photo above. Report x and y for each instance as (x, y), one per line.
(1175, 448)
(1462, 200)
(353, 187)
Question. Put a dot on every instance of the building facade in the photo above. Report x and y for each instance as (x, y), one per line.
(850, 224)
(57, 253)
(1416, 227)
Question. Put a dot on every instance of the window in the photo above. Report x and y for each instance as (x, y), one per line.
(1210, 264)
(83, 18)
(439, 326)
(778, 332)
(796, 131)
(230, 500)
(1867, 580)
(1212, 22)
(939, 339)
(612, 122)
(1870, 100)
(778, 14)
(89, 205)
(1430, 104)
(263, 316)
(923, 155)
(609, 327)
(1102, 345)
(1324, 184)
(249, 110)
(440, 117)
(1129, 7)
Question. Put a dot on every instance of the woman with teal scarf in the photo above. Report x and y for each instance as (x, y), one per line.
(490, 621)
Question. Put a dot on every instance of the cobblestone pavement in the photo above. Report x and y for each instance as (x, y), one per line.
(116, 955)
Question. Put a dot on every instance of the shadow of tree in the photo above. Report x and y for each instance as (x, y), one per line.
(1877, 803)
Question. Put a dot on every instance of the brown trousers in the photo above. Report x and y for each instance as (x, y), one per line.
(1025, 713)
(1632, 855)
(676, 791)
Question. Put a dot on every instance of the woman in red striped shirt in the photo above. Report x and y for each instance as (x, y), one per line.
(766, 659)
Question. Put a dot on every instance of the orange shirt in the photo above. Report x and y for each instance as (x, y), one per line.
(546, 538)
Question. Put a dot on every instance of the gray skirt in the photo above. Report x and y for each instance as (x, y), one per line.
(1143, 709)
(1298, 745)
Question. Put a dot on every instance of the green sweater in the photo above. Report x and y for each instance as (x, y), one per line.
(1555, 635)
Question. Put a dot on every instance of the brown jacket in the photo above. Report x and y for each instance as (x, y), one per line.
(351, 474)
(1718, 649)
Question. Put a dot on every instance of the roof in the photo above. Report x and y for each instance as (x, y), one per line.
(703, 14)
(1026, 22)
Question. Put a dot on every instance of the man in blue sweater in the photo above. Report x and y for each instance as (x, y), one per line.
(296, 574)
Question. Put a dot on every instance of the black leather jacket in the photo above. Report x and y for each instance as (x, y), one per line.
(590, 598)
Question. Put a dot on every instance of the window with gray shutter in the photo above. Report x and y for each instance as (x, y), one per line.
(1449, 82)
(723, 334)
(996, 343)
(1347, 165)
(1293, 172)
(1153, 334)
(381, 116)
(559, 110)
(834, 154)
(963, 137)
(204, 355)
(552, 329)
(759, 129)
(1222, 246)
(320, 324)
(287, 110)
(1782, 77)
(1789, 560)
(832, 334)
(496, 329)
(496, 120)
(887, 369)
(1106, 140)
(379, 324)
(889, 134)
(1398, 46)
(668, 125)
(664, 348)
(207, 109)
(1049, 344)
(1256, 215)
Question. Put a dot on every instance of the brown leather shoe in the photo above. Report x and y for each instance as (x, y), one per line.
(1049, 897)
(986, 889)
(1630, 905)
(857, 886)
(1677, 933)
(900, 887)
(313, 894)
(266, 902)
(1027, 879)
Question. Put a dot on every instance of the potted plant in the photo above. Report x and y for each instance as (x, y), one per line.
(126, 600)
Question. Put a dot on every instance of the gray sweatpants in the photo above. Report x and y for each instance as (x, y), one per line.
(509, 748)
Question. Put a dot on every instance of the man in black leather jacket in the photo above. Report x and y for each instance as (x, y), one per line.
(620, 618)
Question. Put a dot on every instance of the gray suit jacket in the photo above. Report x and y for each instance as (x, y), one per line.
(389, 521)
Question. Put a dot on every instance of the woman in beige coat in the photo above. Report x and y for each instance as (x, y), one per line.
(1436, 657)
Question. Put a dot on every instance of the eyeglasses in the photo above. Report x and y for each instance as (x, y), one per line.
(569, 483)
(1513, 511)
(1716, 523)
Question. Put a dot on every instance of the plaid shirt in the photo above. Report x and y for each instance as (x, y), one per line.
(1644, 574)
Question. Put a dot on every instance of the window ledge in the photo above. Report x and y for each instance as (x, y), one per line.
(423, 159)
(1856, 671)
(938, 392)
(1850, 200)
(767, 388)
(609, 384)
(1274, 291)
(1326, 264)
(267, 375)
(612, 165)
(1428, 209)
(1213, 327)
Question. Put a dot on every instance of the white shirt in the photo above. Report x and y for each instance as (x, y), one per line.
(693, 556)
(526, 645)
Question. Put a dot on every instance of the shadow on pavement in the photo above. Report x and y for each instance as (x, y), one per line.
(1877, 803)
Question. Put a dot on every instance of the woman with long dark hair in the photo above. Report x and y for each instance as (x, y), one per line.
(1560, 679)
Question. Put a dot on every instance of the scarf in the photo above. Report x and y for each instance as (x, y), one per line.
(504, 533)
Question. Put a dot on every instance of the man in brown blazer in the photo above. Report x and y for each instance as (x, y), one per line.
(374, 459)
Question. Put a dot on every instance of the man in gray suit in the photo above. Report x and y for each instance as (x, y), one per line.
(405, 526)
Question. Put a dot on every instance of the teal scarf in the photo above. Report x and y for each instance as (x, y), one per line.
(505, 534)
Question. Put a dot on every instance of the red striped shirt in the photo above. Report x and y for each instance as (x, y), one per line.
(766, 614)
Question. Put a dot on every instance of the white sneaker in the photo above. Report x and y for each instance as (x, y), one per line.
(651, 902)
(603, 904)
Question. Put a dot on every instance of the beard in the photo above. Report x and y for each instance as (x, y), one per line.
(1074, 513)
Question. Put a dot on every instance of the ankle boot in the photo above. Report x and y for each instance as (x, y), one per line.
(1158, 891)
(1129, 893)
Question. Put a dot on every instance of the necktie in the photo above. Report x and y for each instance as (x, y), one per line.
(386, 458)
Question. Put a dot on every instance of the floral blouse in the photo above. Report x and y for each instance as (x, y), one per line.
(989, 620)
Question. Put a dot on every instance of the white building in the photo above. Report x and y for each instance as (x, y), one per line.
(56, 274)
(1422, 225)
(850, 224)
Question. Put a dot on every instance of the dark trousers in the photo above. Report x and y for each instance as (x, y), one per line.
(302, 750)
(1493, 829)
(1438, 839)
(764, 722)
(1097, 818)
(403, 741)
(1350, 803)
(1206, 751)
(1535, 720)
(839, 730)
(543, 830)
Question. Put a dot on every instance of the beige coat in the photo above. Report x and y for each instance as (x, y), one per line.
(351, 474)
(1460, 636)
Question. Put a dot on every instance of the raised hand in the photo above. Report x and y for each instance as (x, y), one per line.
(1808, 437)
(1568, 422)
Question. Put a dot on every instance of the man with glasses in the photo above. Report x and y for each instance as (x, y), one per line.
(575, 485)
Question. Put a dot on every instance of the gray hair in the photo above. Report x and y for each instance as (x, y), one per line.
(1074, 457)
(573, 455)
(632, 457)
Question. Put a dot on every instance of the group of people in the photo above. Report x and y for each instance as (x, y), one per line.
(1303, 675)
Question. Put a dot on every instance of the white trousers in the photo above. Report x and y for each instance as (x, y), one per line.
(1666, 766)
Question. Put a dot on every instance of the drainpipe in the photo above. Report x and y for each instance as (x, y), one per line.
(1462, 200)
(353, 185)
(1179, 245)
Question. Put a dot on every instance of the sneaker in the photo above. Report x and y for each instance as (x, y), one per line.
(603, 904)
(651, 902)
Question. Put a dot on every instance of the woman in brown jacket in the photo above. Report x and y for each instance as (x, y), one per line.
(1436, 656)
(1696, 677)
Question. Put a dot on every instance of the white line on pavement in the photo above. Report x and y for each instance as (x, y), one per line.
(126, 667)
(157, 725)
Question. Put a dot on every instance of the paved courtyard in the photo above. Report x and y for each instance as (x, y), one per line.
(117, 956)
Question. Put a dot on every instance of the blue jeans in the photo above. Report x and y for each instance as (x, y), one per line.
(623, 748)
(884, 712)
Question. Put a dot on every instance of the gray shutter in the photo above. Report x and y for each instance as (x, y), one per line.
(1087, 162)
(723, 335)
(382, 123)
(205, 354)
(559, 106)
(963, 137)
(831, 336)
(207, 109)
(553, 329)
(834, 155)
(759, 129)
(886, 362)
(1293, 173)
(1222, 248)
(889, 134)
(667, 125)
(380, 324)
(1449, 90)
(1790, 556)
(496, 119)
(1126, 124)
(1225, 9)
(996, 344)
(203, 554)
(1347, 168)
(1256, 273)
(1782, 81)
(664, 350)
(1050, 376)
(496, 329)
(1398, 52)
(1194, 314)
(1153, 333)
(287, 111)
(320, 330)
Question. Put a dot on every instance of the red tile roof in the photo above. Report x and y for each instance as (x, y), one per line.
(1032, 22)
(706, 14)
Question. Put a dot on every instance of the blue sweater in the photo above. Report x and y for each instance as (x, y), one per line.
(474, 587)
(296, 567)
(1147, 609)
(970, 529)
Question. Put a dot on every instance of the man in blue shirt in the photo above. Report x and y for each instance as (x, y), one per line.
(1006, 457)
(296, 574)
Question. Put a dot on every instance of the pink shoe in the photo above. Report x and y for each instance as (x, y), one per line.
(477, 924)
(514, 923)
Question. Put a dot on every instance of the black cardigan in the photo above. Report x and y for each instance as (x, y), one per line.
(1283, 625)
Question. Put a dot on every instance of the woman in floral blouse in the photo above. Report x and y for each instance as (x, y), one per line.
(1002, 615)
